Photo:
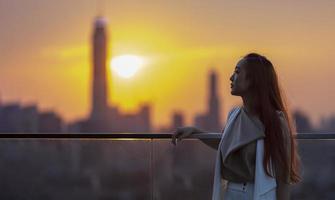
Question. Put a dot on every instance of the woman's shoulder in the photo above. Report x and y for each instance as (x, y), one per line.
(234, 109)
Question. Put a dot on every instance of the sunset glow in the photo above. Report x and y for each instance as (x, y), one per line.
(154, 57)
(126, 66)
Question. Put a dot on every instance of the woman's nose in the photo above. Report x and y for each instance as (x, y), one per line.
(231, 77)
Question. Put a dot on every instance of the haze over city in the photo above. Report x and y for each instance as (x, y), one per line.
(46, 53)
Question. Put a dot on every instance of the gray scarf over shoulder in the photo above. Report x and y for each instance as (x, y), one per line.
(240, 130)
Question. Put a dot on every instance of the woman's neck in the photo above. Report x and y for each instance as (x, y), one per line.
(248, 105)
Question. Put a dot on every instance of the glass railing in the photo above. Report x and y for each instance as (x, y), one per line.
(136, 166)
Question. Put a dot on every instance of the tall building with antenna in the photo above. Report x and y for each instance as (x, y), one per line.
(210, 120)
(99, 96)
(104, 117)
(213, 103)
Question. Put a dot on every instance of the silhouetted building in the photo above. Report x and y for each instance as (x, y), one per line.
(11, 118)
(327, 124)
(136, 122)
(200, 121)
(50, 122)
(302, 122)
(30, 121)
(144, 118)
(75, 127)
(15, 118)
(177, 120)
(99, 84)
(213, 104)
(210, 120)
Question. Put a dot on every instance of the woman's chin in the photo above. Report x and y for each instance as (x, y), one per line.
(232, 92)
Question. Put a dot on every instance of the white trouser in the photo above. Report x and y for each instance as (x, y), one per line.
(239, 191)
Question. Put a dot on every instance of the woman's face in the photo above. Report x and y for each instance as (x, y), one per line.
(239, 82)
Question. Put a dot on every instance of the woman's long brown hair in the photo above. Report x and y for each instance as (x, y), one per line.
(268, 101)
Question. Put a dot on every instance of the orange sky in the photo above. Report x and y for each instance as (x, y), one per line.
(45, 52)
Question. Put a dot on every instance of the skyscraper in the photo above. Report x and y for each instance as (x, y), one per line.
(99, 107)
(213, 103)
(210, 120)
(177, 120)
(104, 117)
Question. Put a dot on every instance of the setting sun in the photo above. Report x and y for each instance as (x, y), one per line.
(126, 65)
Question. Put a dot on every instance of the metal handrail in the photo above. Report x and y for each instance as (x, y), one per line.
(138, 135)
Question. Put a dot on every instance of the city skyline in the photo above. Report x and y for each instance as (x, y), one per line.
(103, 116)
(58, 48)
(93, 94)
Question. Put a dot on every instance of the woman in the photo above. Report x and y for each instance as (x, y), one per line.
(257, 155)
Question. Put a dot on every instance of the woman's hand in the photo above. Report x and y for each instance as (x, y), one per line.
(183, 132)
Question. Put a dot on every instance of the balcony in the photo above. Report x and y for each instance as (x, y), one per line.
(136, 166)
